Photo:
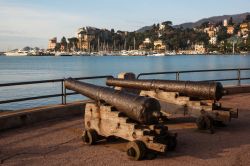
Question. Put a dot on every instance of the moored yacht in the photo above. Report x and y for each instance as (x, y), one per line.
(18, 53)
(62, 54)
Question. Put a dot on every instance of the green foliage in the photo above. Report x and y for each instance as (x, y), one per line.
(174, 38)
(236, 28)
(247, 19)
(63, 40)
(204, 24)
(230, 21)
(222, 34)
(248, 42)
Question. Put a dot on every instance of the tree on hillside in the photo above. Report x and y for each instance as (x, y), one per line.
(64, 43)
(204, 24)
(247, 19)
(219, 24)
(63, 40)
(236, 28)
(202, 37)
(222, 34)
(73, 44)
(230, 21)
(167, 23)
(248, 42)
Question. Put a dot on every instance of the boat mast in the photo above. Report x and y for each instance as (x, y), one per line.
(134, 43)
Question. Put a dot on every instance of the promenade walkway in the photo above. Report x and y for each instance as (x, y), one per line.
(58, 142)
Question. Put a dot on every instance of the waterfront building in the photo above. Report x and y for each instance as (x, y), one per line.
(159, 46)
(52, 43)
(85, 35)
(199, 48)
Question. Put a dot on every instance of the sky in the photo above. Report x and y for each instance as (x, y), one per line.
(33, 22)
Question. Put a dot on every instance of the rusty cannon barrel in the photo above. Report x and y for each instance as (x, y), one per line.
(201, 90)
(144, 110)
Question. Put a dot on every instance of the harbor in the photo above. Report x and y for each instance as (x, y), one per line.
(29, 68)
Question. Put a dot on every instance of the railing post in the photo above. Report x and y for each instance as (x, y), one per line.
(62, 84)
(65, 95)
(178, 76)
(239, 77)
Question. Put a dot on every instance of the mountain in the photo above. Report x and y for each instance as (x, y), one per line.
(143, 29)
(237, 18)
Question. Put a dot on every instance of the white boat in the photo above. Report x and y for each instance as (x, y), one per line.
(62, 54)
(157, 54)
(18, 53)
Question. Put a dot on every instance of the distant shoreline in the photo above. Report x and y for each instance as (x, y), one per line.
(2, 55)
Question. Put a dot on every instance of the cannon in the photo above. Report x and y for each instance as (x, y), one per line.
(128, 116)
(188, 98)
(141, 109)
(201, 90)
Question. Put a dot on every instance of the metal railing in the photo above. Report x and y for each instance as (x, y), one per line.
(177, 74)
(63, 94)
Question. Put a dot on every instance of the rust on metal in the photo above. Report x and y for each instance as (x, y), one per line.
(201, 90)
(144, 110)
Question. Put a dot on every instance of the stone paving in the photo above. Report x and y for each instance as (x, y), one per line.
(58, 142)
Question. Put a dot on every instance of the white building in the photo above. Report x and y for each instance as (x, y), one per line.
(225, 23)
(213, 40)
(147, 41)
(161, 27)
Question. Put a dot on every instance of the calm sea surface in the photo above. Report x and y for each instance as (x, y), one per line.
(17, 69)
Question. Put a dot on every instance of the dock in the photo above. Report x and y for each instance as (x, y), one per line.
(57, 141)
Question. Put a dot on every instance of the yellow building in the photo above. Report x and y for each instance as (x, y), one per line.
(211, 31)
(52, 43)
(244, 28)
(85, 36)
(230, 30)
(199, 48)
(159, 45)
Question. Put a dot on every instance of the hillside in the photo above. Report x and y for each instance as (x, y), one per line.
(237, 18)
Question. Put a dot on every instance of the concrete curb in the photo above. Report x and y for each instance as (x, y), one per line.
(30, 116)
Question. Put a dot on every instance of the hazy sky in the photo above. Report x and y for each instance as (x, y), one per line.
(33, 22)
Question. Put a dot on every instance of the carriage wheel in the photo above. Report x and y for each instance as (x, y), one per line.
(136, 150)
(90, 137)
(204, 122)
